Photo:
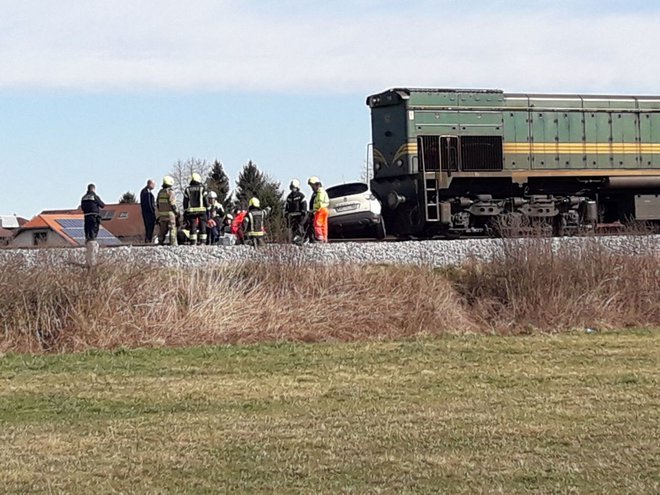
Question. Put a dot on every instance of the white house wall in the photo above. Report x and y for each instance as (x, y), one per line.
(26, 239)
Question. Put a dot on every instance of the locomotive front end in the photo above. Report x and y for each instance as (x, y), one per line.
(395, 166)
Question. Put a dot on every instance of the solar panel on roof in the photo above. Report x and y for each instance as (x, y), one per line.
(74, 232)
(74, 223)
(74, 228)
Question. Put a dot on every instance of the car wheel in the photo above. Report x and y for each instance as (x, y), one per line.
(380, 230)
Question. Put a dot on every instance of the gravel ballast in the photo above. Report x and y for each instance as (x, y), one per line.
(427, 253)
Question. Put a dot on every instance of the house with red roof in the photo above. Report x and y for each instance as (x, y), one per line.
(58, 230)
(123, 220)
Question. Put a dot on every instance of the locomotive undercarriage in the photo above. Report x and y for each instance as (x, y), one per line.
(561, 207)
(491, 206)
(518, 215)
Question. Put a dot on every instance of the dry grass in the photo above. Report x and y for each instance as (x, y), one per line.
(113, 306)
(539, 284)
(531, 287)
(574, 413)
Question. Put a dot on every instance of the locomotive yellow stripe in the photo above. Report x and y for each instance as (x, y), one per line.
(378, 156)
(562, 148)
(540, 147)
(581, 148)
(405, 149)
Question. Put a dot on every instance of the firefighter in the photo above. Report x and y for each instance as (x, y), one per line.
(91, 205)
(225, 227)
(295, 210)
(319, 205)
(183, 233)
(167, 212)
(214, 216)
(253, 224)
(195, 203)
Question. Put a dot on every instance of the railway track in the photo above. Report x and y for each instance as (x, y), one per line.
(432, 253)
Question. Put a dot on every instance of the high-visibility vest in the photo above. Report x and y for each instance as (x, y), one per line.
(321, 199)
(166, 202)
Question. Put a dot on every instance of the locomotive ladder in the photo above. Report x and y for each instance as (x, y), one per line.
(431, 199)
(430, 185)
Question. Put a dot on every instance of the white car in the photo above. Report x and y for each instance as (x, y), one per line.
(354, 212)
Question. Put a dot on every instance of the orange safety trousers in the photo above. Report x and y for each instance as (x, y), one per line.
(321, 224)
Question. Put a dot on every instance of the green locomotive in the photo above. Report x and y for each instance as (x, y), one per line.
(462, 161)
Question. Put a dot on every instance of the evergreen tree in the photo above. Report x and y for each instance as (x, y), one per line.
(128, 198)
(250, 183)
(218, 181)
(253, 183)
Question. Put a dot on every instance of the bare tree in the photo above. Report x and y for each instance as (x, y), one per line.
(182, 170)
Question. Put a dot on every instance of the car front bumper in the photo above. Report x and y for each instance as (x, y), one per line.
(359, 224)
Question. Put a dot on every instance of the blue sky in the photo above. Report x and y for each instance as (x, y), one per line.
(115, 92)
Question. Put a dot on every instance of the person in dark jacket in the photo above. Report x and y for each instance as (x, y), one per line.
(254, 230)
(195, 203)
(148, 205)
(215, 213)
(295, 211)
(91, 206)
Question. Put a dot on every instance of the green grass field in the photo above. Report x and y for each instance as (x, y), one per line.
(576, 413)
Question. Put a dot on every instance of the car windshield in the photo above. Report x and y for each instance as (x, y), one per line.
(347, 189)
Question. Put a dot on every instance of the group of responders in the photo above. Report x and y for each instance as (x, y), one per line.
(201, 218)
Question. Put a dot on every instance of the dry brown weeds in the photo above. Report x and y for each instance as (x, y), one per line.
(541, 285)
(122, 305)
(530, 287)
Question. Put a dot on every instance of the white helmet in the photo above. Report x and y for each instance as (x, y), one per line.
(295, 184)
(213, 195)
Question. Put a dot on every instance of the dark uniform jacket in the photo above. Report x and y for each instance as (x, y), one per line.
(295, 204)
(254, 222)
(147, 203)
(91, 204)
(195, 201)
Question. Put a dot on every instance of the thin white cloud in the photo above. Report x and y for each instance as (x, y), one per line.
(232, 45)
